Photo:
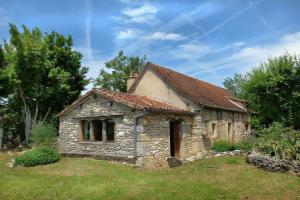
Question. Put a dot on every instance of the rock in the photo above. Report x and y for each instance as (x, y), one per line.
(273, 164)
(174, 162)
(11, 163)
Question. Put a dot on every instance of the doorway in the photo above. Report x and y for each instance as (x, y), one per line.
(174, 139)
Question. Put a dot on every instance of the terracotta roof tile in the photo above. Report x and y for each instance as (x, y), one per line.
(134, 101)
(195, 90)
(140, 102)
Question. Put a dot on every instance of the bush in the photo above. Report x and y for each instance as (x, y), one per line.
(280, 141)
(222, 145)
(38, 156)
(244, 145)
(43, 134)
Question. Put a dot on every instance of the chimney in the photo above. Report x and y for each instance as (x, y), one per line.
(132, 77)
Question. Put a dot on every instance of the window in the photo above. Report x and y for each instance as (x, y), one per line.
(229, 130)
(97, 130)
(213, 129)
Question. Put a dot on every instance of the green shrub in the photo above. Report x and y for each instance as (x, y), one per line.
(244, 145)
(279, 141)
(222, 145)
(38, 156)
(43, 134)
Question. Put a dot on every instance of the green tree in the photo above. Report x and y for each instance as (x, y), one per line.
(272, 89)
(118, 71)
(235, 84)
(4, 86)
(44, 73)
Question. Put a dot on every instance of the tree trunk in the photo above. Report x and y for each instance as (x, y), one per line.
(1, 136)
(27, 117)
(46, 115)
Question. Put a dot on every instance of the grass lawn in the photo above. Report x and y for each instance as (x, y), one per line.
(77, 178)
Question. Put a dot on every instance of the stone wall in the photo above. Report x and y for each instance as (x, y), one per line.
(94, 108)
(230, 126)
(273, 164)
(153, 144)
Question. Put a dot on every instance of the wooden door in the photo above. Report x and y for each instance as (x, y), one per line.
(175, 139)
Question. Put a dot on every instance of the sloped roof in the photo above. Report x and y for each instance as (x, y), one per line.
(195, 90)
(131, 100)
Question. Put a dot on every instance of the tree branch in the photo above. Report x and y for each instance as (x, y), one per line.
(46, 115)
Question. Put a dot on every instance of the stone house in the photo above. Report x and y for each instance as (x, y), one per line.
(164, 114)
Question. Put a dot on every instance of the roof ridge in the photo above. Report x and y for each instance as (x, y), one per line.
(182, 74)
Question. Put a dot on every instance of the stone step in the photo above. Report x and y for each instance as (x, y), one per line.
(174, 162)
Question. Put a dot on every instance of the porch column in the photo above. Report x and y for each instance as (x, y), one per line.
(104, 131)
(92, 138)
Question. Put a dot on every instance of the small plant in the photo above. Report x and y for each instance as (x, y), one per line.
(244, 145)
(222, 145)
(280, 141)
(43, 134)
(39, 156)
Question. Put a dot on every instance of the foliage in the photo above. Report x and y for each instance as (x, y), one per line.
(244, 145)
(44, 75)
(38, 156)
(212, 178)
(44, 134)
(280, 141)
(11, 122)
(272, 89)
(235, 84)
(223, 145)
(118, 71)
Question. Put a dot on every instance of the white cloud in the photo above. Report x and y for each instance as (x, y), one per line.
(140, 11)
(191, 51)
(238, 44)
(249, 56)
(128, 34)
(143, 14)
(166, 36)
(146, 19)
(257, 54)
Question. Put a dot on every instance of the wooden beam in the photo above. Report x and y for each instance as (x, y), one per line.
(99, 117)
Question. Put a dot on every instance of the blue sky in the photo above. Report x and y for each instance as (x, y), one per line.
(209, 40)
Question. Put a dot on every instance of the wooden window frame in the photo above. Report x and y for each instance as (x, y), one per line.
(105, 137)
